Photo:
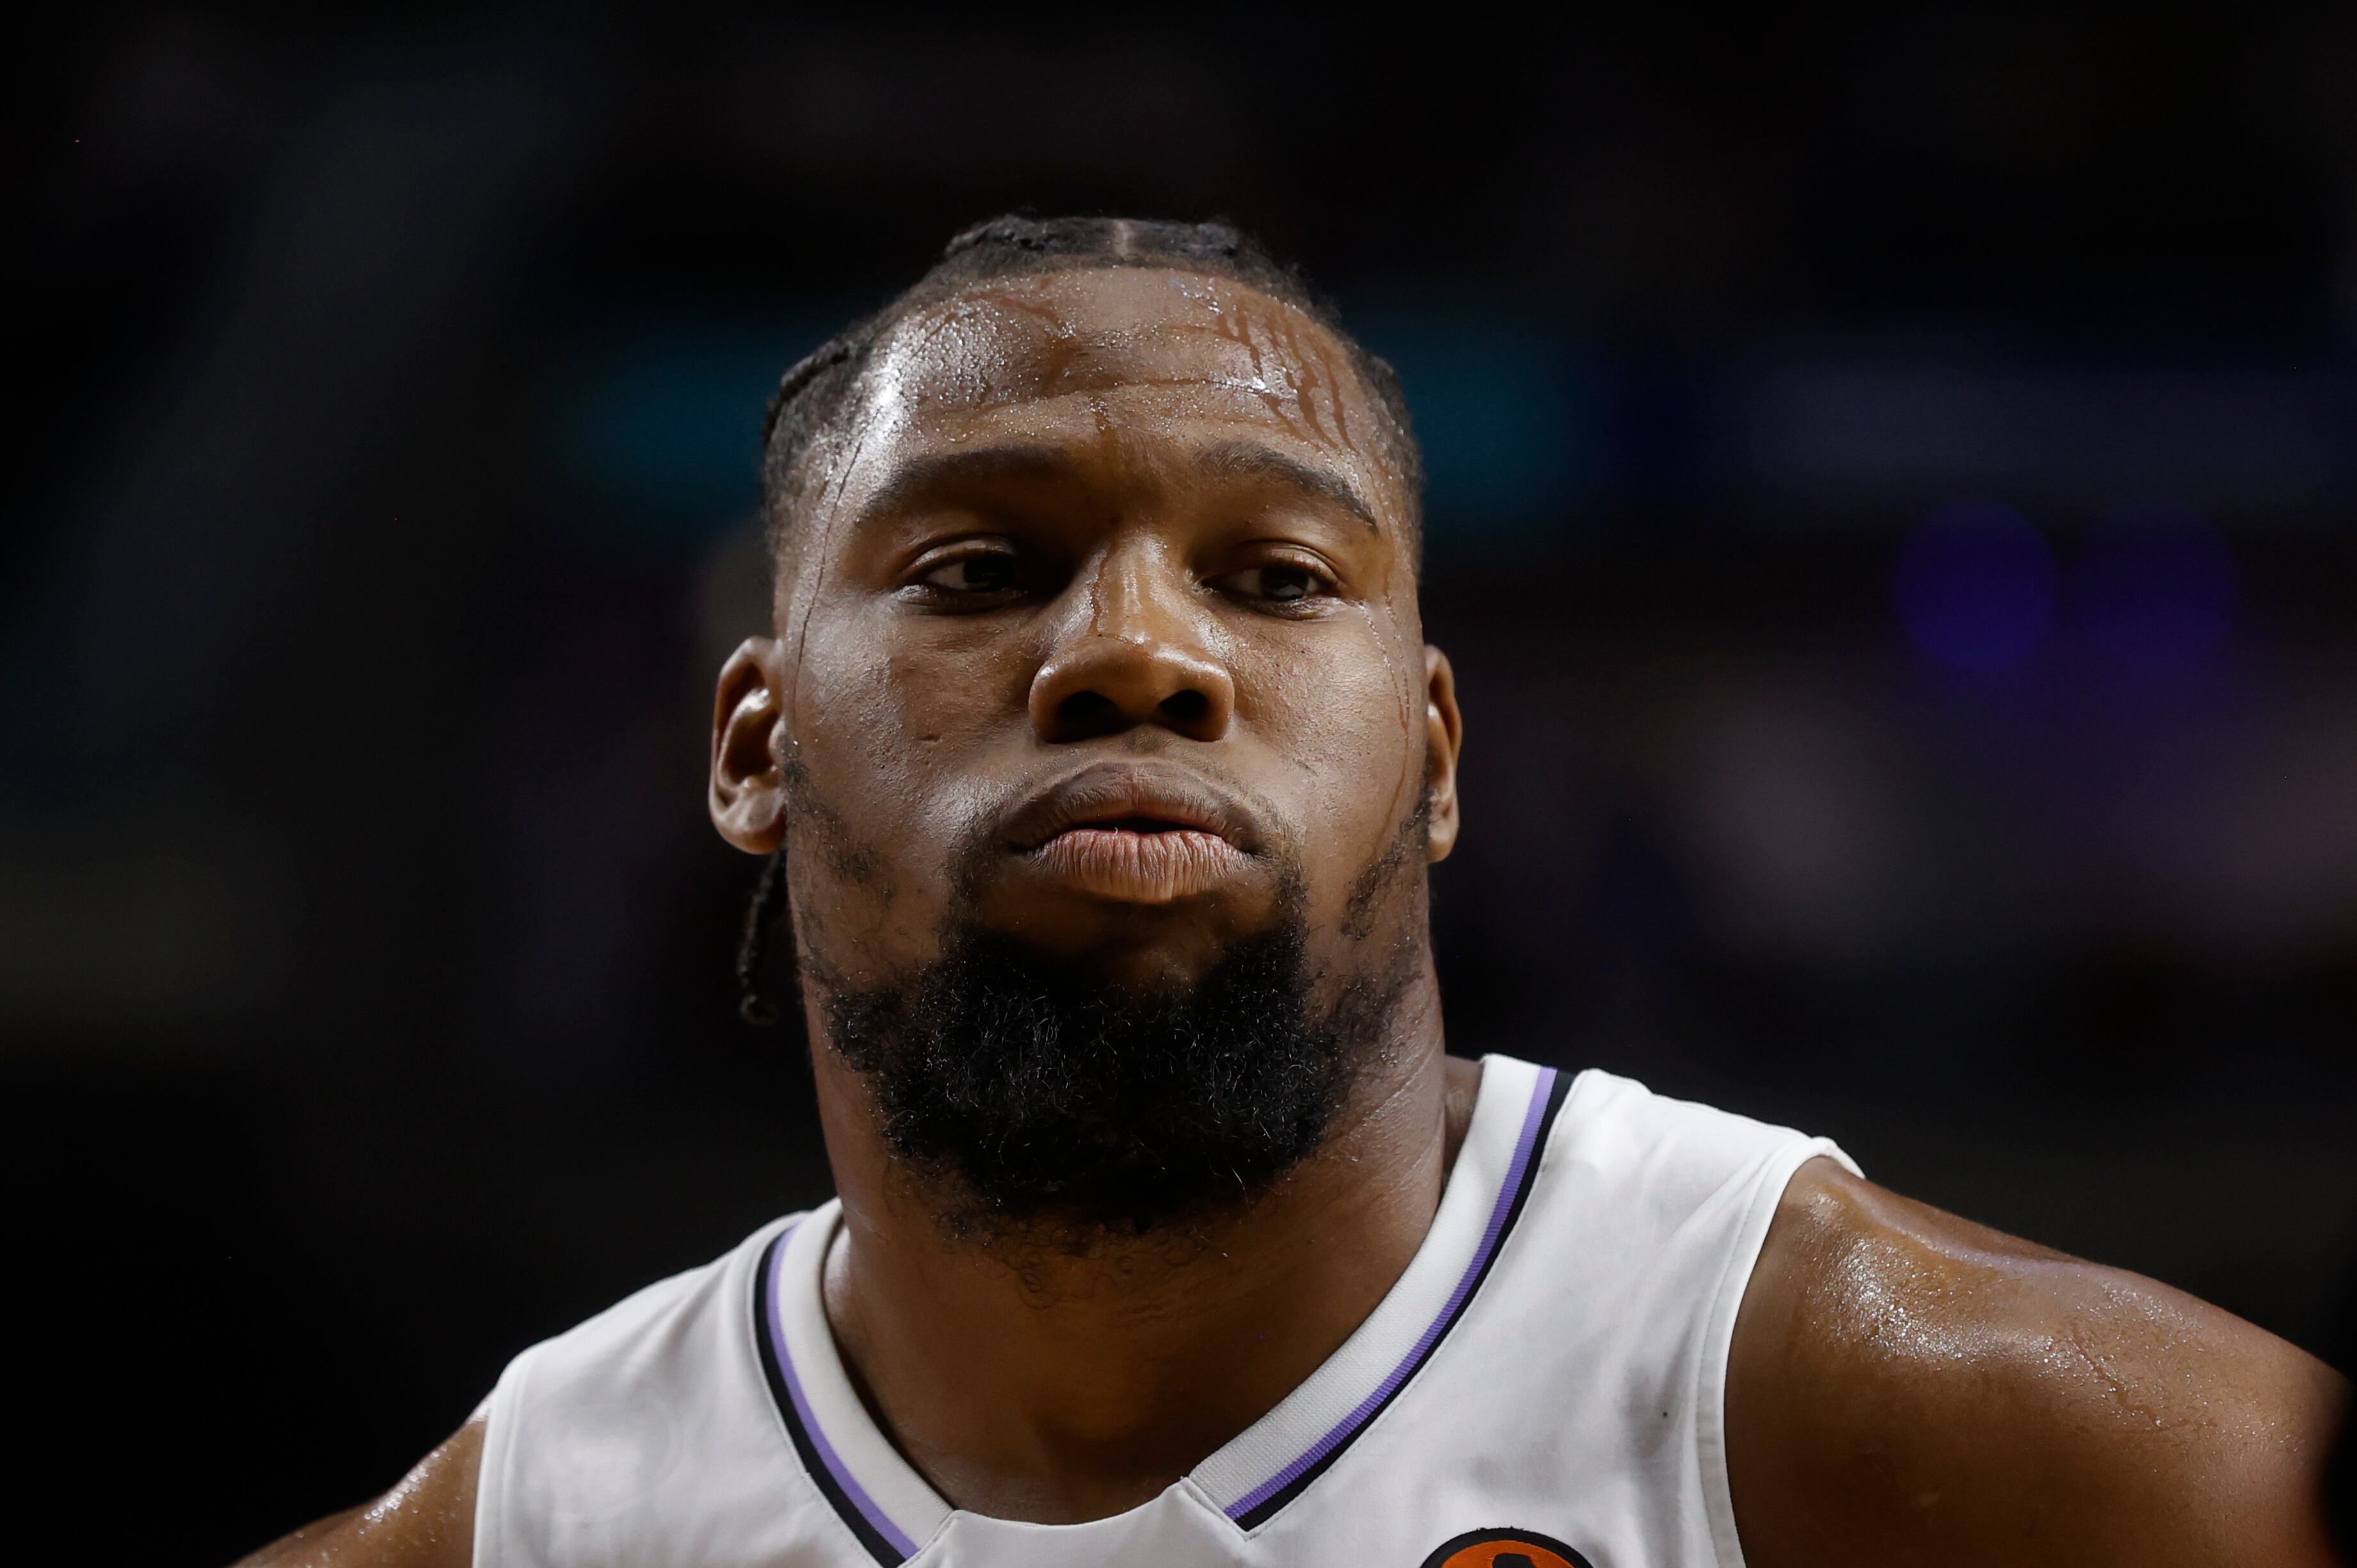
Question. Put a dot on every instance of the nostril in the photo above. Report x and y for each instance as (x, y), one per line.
(1083, 709)
(1186, 707)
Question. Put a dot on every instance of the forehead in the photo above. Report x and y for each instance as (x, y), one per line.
(1134, 355)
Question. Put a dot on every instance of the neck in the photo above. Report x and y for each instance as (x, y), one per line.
(1026, 1383)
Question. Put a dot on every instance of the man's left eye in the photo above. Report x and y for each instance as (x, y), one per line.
(1279, 583)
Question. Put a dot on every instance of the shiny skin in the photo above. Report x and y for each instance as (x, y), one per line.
(1119, 520)
(427, 1520)
(1908, 1387)
(1076, 524)
(1147, 521)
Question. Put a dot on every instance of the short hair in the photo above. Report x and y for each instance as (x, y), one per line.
(815, 398)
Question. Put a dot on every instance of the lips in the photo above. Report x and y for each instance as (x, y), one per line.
(1135, 833)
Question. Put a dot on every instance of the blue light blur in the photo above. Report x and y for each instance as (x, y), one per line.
(2154, 591)
(1976, 587)
(662, 432)
(1511, 411)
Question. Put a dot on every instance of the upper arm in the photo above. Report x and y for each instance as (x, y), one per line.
(427, 1520)
(1908, 1387)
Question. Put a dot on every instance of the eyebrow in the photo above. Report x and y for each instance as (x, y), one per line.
(919, 477)
(1250, 459)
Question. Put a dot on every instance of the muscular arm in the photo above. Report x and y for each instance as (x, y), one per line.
(1906, 1388)
(428, 1520)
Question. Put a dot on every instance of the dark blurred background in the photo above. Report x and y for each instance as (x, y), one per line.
(1894, 512)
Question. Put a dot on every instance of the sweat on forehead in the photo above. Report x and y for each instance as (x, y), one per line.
(1123, 344)
(1125, 341)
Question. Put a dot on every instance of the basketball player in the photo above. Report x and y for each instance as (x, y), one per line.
(1099, 755)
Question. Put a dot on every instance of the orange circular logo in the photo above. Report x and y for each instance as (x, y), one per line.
(1504, 1549)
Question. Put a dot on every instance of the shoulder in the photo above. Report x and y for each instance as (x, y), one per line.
(596, 1411)
(428, 1520)
(1904, 1385)
(1613, 1123)
(655, 1416)
(667, 1341)
(1687, 1182)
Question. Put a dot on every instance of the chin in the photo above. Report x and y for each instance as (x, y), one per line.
(1142, 951)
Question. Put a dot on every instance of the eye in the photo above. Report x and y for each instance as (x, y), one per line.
(974, 571)
(1277, 583)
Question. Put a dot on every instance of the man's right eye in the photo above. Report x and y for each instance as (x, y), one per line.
(985, 571)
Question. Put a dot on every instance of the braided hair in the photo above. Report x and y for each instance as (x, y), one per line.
(817, 400)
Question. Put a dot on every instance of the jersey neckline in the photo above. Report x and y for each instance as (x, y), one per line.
(893, 1510)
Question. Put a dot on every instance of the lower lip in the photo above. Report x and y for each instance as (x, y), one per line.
(1141, 868)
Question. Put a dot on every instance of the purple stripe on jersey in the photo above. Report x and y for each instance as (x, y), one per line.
(1525, 1150)
(835, 1467)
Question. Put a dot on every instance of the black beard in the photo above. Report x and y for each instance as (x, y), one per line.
(1040, 1099)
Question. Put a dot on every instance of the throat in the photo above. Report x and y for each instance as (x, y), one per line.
(1027, 1384)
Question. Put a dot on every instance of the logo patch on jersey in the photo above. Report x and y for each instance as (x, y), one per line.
(1504, 1548)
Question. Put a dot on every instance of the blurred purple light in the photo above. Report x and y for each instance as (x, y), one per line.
(2156, 589)
(1976, 587)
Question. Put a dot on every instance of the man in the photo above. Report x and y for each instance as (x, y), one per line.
(1099, 756)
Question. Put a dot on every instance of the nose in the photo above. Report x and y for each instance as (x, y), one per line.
(1142, 659)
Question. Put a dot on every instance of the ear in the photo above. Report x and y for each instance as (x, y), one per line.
(1444, 734)
(748, 797)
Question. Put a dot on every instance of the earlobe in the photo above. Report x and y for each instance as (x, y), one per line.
(1444, 736)
(747, 796)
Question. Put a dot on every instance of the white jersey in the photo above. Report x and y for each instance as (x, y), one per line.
(1541, 1388)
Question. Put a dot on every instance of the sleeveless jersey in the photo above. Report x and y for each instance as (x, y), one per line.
(1542, 1387)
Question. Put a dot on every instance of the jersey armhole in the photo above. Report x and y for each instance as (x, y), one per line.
(500, 1410)
(1767, 1191)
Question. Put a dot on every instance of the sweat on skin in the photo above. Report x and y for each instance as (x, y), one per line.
(1096, 628)
(1212, 570)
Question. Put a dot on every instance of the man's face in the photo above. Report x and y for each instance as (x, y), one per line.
(1100, 634)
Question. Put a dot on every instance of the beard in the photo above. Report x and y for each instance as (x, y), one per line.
(1036, 1098)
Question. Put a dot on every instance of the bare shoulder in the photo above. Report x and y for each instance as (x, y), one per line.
(1909, 1387)
(427, 1520)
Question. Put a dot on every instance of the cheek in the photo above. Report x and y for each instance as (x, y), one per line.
(1347, 727)
(892, 725)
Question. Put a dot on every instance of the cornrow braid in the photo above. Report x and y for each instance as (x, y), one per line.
(813, 400)
(814, 403)
(761, 912)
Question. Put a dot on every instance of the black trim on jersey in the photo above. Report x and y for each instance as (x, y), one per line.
(1266, 1509)
(883, 1551)
(1457, 1543)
